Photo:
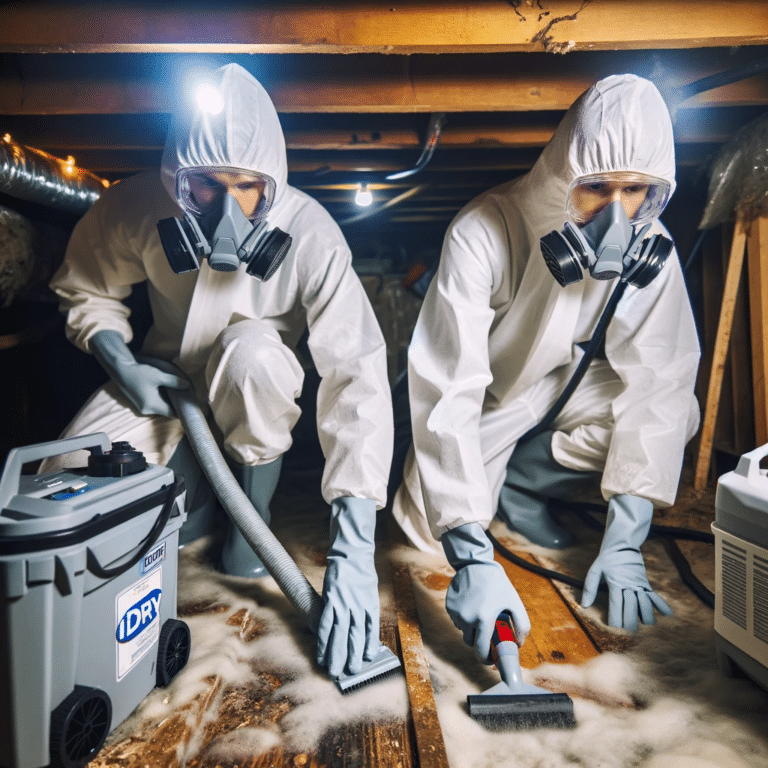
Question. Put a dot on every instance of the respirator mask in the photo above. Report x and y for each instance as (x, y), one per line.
(215, 227)
(608, 246)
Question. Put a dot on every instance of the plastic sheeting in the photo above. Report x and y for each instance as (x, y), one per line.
(738, 183)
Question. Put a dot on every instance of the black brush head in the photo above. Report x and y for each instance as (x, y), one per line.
(505, 712)
(384, 665)
(369, 680)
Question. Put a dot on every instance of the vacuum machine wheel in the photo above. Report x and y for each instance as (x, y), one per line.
(173, 650)
(79, 727)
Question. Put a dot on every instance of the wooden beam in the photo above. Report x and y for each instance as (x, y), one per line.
(409, 27)
(757, 269)
(430, 745)
(108, 85)
(730, 291)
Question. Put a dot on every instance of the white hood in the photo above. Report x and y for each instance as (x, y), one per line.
(246, 134)
(619, 124)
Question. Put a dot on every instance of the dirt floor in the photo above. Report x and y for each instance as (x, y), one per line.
(253, 696)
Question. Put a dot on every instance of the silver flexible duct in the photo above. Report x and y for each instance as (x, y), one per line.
(32, 175)
(238, 506)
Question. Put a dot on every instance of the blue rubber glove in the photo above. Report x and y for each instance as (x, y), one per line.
(480, 590)
(139, 382)
(621, 565)
(348, 632)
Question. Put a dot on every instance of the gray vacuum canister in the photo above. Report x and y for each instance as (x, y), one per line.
(741, 568)
(88, 569)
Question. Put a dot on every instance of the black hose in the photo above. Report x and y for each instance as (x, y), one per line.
(687, 575)
(534, 568)
(665, 532)
(589, 354)
(581, 509)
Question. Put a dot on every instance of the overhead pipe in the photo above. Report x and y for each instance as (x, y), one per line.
(677, 96)
(37, 177)
(435, 130)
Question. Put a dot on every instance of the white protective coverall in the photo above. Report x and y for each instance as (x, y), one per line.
(497, 337)
(233, 335)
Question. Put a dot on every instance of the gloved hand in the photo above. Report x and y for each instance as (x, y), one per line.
(621, 564)
(480, 590)
(139, 382)
(348, 632)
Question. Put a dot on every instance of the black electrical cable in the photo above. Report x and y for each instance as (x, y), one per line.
(581, 509)
(687, 575)
(534, 568)
(666, 532)
(581, 369)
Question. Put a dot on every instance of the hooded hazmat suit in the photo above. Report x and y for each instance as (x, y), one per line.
(498, 338)
(233, 335)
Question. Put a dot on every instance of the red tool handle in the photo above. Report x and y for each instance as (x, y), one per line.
(504, 631)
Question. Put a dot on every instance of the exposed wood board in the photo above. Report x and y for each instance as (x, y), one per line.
(346, 131)
(556, 636)
(430, 745)
(319, 164)
(219, 710)
(293, 27)
(60, 84)
(741, 370)
(730, 291)
(757, 269)
(715, 125)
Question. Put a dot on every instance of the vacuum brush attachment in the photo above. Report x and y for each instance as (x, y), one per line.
(384, 665)
(513, 703)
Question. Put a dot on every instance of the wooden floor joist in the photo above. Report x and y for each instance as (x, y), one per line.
(429, 736)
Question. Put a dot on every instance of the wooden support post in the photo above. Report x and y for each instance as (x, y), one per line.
(735, 263)
(757, 270)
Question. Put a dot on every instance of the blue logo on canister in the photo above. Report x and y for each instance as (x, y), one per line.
(139, 616)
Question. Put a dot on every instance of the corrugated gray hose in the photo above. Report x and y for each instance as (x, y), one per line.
(240, 509)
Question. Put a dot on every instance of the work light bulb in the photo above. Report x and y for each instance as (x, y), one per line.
(363, 197)
(209, 99)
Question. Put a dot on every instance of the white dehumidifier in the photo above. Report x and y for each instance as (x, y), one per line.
(741, 568)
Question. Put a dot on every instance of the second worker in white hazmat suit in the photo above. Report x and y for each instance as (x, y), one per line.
(498, 338)
(223, 186)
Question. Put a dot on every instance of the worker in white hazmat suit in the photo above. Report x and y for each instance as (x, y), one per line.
(498, 338)
(223, 191)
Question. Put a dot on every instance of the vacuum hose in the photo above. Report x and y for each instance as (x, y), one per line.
(240, 509)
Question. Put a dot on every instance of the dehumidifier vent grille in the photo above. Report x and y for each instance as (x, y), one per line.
(760, 598)
(735, 584)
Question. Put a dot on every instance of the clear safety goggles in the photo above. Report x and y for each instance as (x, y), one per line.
(655, 199)
(201, 190)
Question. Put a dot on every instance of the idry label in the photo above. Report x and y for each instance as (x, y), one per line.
(137, 620)
(139, 616)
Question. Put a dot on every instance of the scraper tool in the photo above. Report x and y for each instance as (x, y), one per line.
(513, 703)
